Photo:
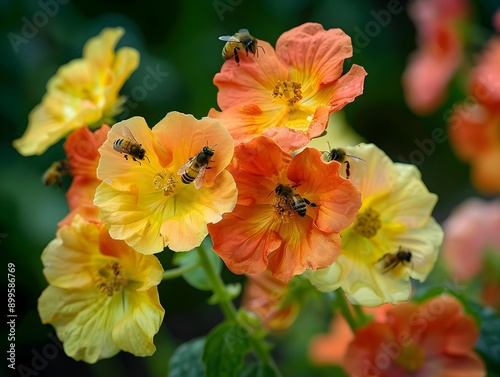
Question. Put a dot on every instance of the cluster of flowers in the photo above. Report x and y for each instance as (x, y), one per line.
(447, 36)
(273, 206)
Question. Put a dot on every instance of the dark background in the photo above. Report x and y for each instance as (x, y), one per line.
(182, 38)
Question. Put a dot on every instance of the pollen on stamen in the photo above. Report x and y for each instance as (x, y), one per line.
(282, 209)
(367, 223)
(289, 91)
(161, 182)
(111, 279)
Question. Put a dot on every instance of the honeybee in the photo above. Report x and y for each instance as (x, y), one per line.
(129, 146)
(242, 40)
(340, 155)
(196, 167)
(390, 260)
(55, 172)
(294, 200)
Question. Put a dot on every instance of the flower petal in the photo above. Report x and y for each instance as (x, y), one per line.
(314, 53)
(320, 182)
(243, 239)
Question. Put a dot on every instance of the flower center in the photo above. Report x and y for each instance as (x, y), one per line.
(282, 210)
(164, 180)
(111, 278)
(288, 91)
(367, 223)
(412, 358)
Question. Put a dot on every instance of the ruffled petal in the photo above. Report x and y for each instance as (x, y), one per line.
(134, 333)
(244, 240)
(320, 182)
(315, 55)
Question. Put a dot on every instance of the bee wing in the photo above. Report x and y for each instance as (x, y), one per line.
(229, 38)
(129, 134)
(184, 167)
(201, 177)
(243, 31)
(356, 157)
(383, 264)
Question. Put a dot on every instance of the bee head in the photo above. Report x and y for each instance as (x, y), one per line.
(336, 154)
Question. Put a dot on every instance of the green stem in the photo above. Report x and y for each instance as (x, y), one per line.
(179, 271)
(343, 306)
(263, 355)
(228, 308)
(217, 285)
(361, 315)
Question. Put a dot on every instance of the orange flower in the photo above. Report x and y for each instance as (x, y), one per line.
(265, 296)
(440, 51)
(81, 148)
(475, 128)
(264, 231)
(435, 338)
(288, 94)
(144, 201)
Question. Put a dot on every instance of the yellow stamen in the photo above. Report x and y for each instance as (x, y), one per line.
(367, 223)
(167, 185)
(111, 278)
(288, 91)
(282, 209)
(411, 358)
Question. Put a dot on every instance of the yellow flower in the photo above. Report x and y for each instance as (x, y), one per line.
(146, 202)
(102, 296)
(395, 217)
(83, 92)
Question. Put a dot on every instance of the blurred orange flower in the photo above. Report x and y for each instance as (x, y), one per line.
(83, 92)
(288, 94)
(102, 295)
(435, 338)
(332, 347)
(266, 296)
(81, 148)
(439, 54)
(265, 231)
(474, 128)
(145, 200)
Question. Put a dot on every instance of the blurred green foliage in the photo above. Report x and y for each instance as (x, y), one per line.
(181, 38)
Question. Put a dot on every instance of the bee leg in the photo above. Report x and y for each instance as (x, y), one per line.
(347, 169)
(309, 203)
(236, 56)
(126, 157)
(136, 160)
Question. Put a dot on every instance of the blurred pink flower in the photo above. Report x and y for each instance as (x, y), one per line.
(496, 20)
(470, 230)
(439, 52)
(474, 129)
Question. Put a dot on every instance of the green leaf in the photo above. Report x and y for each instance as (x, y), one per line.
(256, 370)
(488, 344)
(426, 293)
(186, 360)
(197, 277)
(225, 350)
